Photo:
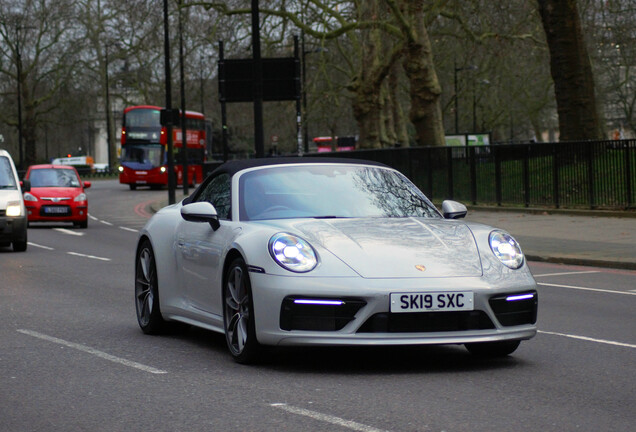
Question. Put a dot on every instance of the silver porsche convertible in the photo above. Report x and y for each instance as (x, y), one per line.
(318, 251)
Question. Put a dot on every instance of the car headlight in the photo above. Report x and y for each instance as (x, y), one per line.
(80, 197)
(121, 168)
(30, 197)
(506, 249)
(292, 253)
(14, 209)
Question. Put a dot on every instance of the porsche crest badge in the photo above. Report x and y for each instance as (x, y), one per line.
(420, 268)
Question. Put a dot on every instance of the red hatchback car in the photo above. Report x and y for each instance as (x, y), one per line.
(56, 195)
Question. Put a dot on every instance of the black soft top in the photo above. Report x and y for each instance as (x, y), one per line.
(232, 167)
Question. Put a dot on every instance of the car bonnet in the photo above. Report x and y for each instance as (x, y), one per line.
(398, 247)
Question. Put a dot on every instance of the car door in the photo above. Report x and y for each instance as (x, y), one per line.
(201, 249)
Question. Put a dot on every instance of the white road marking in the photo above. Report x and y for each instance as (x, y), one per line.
(326, 418)
(68, 231)
(587, 289)
(128, 229)
(585, 338)
(88, 256)
(568, 273)
(106, 223)
(92, 217)
(93, 351)
(39, 246)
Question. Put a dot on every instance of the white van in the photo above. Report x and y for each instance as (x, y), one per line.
(13, 217)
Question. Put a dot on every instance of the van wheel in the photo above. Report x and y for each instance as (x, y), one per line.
(20, 246)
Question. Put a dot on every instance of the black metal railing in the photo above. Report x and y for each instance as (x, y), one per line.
(589, 174)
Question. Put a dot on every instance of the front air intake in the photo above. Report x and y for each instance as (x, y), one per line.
(318, 314)
(515, 309)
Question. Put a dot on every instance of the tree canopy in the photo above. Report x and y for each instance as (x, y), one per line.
(389, 72)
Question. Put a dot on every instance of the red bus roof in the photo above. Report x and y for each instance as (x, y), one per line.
(189, 114)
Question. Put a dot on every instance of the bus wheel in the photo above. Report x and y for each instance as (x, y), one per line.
(132, 186)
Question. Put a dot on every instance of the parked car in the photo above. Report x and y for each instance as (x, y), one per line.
(330, 252)
(57, 195)
(13, 219)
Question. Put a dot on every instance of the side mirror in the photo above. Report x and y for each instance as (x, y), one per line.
(25, 185)
(453, 210)
(87, 184)
(201, 211)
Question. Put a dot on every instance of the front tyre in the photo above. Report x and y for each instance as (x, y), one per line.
(147, 290)
(493, 349)
(82, 224)
(19, 246)
(238, 313)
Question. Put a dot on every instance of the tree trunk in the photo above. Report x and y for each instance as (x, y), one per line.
(571, 71)
(366, 110)
(426, 112)
(366, 86)
(29, 125)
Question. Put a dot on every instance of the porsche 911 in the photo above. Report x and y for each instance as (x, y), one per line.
(330, 252)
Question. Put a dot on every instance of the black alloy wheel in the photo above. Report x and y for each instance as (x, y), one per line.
(238, 313)
(147, 290)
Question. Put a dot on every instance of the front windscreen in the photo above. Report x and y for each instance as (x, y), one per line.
(142, 156)
(54, 177)
(143, 125)
(7, 180)
(143, 117)
(330, 191)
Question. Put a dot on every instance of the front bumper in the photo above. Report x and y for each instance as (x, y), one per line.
(72, 213)
(367, 319)
(152, 176)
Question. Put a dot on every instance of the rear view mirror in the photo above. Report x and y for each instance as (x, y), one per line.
(453, 210)
(201, 211)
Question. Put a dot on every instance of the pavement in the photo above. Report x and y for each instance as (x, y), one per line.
(590, 238)
(594, 238)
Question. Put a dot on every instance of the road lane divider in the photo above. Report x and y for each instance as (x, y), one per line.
(106, 222)
(326, 418)
(68, 231)
(93, 351)
(89, 256)
(128, 229)
(586, 289)
(40, 246)
(589, 339)
(567, 273)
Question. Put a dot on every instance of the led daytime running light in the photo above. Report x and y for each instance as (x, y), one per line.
(319, 302)
(519, 297)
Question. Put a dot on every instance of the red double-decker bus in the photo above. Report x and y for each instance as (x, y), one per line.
(144, 156)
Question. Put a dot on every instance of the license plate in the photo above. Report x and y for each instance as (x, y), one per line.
(56, 210)
(432, 301)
